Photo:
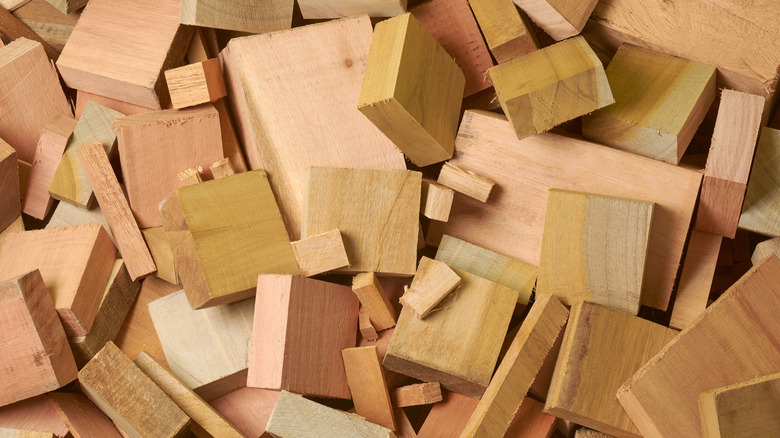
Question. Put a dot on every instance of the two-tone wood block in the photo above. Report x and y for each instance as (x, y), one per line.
(253, 16)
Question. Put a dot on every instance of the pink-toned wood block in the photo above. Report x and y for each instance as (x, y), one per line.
(35, 414)
(248, 409)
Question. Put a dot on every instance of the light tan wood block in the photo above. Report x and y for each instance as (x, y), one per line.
(436, 200)
(368, 206)
(160, 247)
(82, 417)
(195, 84)
(550, 86)
(207, 349)
(448, 418)
(133, 402)
(67, 6)
(75, 263)
(433, 282)
(33, 414)
(10, 195)
(300, 328)
(189, 177)
(417, 394)
(412, 90)
(221, 168)
(224, 233)
(760, 212)
(366, 327)
(730, 342)
(530, 421)
(153, 43)
(15, 227)
(114, 205)
(696, 279)
(253, 16)
(526, 169)
(34, 356)
(16, 433)
(765, 249)
(518, 369)
(658, 118)
(286, 115)
(367, 385)
(465, 182)
(124, 108)
(248, 409)
(743, 409)
(68, 215)
(506, 33)
(374, 300)
(321, 253)
(318, 9)
(560, 19)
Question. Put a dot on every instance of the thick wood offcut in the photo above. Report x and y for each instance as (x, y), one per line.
(374, 300)
(368, 386)
(506, 33)
(560, 19)
(253, 16)
(432, 283)
(10, 205)
(321, 253)
(698, 271)
(82, 417)
(761, 209)
(195, 84)
(744, 409)
(465, 182)
(320, 9)
(436, 200)
(417, 394)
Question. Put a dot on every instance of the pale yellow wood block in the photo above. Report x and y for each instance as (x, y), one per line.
(761, 209)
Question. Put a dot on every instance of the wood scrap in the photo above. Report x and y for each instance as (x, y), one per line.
(432, 283)
(13, 28)
(759, 211)
(435, 200)
(417, 394)
(82, 417)
(560, 19)
(765, 249)
(448, 417)
(504, 29)
(160, 248)
(465, 182)
(321, 253)
(33, 414)
(221, 168)
(368, 386)
(366, 327)
(695, 279)
(195, 84)
(10, 206)
(248, 409)
(67, 215)
(48, 22)
(318, 9)
(253, 16)
(374, 300)
(743, 409)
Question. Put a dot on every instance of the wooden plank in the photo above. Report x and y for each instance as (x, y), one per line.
(560, 19)
(194, 84)
(594, 249)
(75, 263)
(318, 9)
(358, 202)
(695, 279)
(465, 182)
(48, 22)
(116, 210)
(433, 282)
(765, 249)
(506, 32)
(412, 90)
(15, 227)
(33, 414)
(31, 95)
(659, 118)
(551, 86)
(16, 433)
(367, 385)
(374, 300)
(268, 94)
(132, 401)
(68, 215)
(458, 345)
(506, 392)
(417, 394)
(207, 349)
(128, 109)
(10, 206)
(743, 409)
(248, 409)
(34, 356)
(224, 233)
(760, 213)
(221, 168)
(160, 247)
(12, 28)
(599, 338)
(296, 317)
(526, 169)
(530, 421)
(731, 341)
(366, 327)
(449, 417)
(11, 5)
(321, 253)
(82, 417)
(435, 200)
(729, 162)
(254, 16)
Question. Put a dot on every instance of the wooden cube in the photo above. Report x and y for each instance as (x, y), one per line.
(195, 84)
(10, 206)
(560, 19)
(253, 16)
(412, 90)
(436, 200)
(761, 209)
(319, 9)
(506, 32)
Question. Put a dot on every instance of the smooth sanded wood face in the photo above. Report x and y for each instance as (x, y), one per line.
(317, 9)
(743, 409)
(560, 19)
(9, 185)
(698, 270)
(760, 211)
(505, 31)
(254, 16)
(368, 386)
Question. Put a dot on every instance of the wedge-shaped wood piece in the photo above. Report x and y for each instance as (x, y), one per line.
(448, 418)
(300, 328)
(698, 271)
(728, 163)
(218, 365)
(191, 137)
(160, 247)
(224, 233)
(376, 212)
(374, 300)
(318, 9)
(743, 409)
(196, 83)
(458, 345)
(30, 93)
(204, 417)
(765, 249)
(760, 212)
(517, 371)
(526, 169)
(253, 16)
(221, 168)
(67, 6)
(506, 33)
(34, 356)
(550, 86)
(75, 263)
(436, 200)
(416, 395)
(412, 90)
(82, 417)
(248, 409)
(33, 414)
(594, 249)
(285, 112)
(114, 205)
(366, 327)
(466, 182)
(231, 148)
(9, 185)
(560, 19)
(296, 417)
(732, 341)
(68, 215)
(153, 43)
(133, 402)
(660, 100)
(367, 385)
(321, 253)
(432, 283)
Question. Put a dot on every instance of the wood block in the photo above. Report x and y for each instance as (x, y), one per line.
(732, 341)
(760, 213)
(436, 200)
(24, 172)
(160, 247)
(296, 317)
(294, 416)
(118, 298)
(321, 253)
(189, 177)
(695, 279)
(14, 29)
(51, 146)
(465, 182)
(374, 300)
(33, 414)
(82, 417)
(268, 94)
(132, 401)
(254, 16)
(75, 263)
(68, 215)
(68, 6)
(367, 385)
(517, 371)
(366, 327)
(505, 31)
(9, 185)
(584, 432)
(248, 409)
(765, 249)
(11, 5)
(458, 345)
(560, 19)
(51, 25)
(196, 83)
(16, 433)
(120, 219)
(205, 418)
(526, 169)
(124, 108)
(433, 282)
(530, 421)
(412, 90)
(221, 168)
(34, 355)
(231, 148)
(318, 9)
(743, 409)
(416, 395)
(224, 233)
(358, 202)
(594, 249)
(15, 227)
(729, 162)
(449, 417)
(204, 45)
(207, 349)
(660, 100)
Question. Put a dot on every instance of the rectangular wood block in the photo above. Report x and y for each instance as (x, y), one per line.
(466, 182)
(376, 211)
(34, 414)
(160, 247)
(253, 16)
(82, 417)
(10, 205)
(368, 386)
(248, 409)
(743, 409)
(550, 86)
(760, 211)
(194, 84)
(448, 418)
(374, 300)
(660, 100)
(560, 19)
(526, 169)
(417, 394)
(432, 283)
(765, 249)
(300, 328)
(436, 200)
(696, 279)
(504, 29)
(412, 90)
(319, 9)
(321, 253)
